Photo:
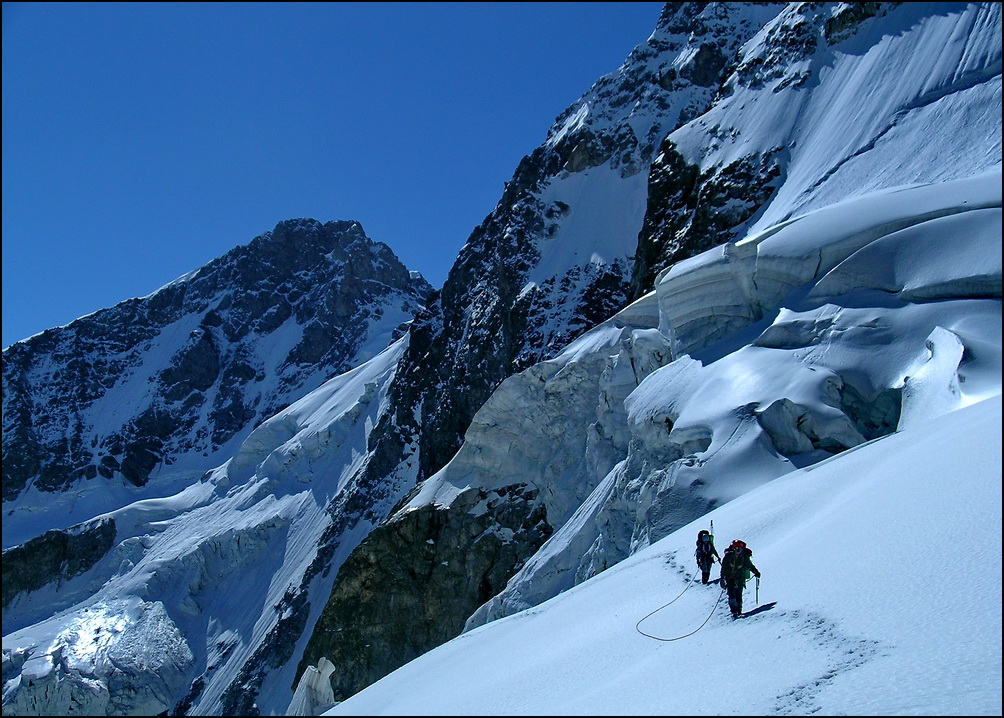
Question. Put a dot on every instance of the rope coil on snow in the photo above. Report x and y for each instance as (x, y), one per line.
(637, 626)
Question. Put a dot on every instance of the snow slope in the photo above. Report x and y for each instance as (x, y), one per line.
(887, 586)
(806, 340)
(880, 596)
(208, 576)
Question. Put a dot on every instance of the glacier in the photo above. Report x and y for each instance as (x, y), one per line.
(804, 226)
(821, 373)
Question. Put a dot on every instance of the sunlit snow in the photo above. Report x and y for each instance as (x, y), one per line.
(880, 596)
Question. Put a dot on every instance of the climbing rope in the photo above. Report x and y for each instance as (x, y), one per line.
(689, 584)
(637, 626)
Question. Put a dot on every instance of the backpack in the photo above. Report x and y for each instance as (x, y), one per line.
(705, 549)
(734, 561)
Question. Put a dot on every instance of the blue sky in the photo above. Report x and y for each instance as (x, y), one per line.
(142, 140)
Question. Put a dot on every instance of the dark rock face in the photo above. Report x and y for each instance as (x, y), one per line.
(706, 68)
(690, 211)
(849, 16)
(413, 582)
(192, 368)
(54, 556)
(484, 325)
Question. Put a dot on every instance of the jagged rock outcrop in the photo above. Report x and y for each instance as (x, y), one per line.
(55, 556)
(691, 210)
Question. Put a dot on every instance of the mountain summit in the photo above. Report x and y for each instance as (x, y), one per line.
(156, 391)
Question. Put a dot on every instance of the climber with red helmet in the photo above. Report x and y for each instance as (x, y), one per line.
(737, 566)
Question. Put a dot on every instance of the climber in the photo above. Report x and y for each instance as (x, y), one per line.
(706, 553)
(736, 568)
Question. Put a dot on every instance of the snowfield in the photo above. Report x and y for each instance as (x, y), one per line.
(880, 595)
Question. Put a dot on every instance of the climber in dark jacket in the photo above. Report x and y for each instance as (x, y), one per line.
(736, 569)
(706, 553)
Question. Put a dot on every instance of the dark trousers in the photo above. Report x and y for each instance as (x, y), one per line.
(705, 566)
(736, 597)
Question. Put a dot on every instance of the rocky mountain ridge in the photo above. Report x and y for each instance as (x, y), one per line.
(166, 385)
(499, 451)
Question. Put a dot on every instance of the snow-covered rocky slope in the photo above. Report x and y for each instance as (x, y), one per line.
(830, 105)
(193, 585)
(143, 398)
(804, 202)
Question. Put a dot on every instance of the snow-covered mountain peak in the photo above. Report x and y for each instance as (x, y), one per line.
(754, 262)
(156, 391)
